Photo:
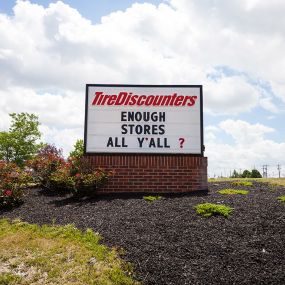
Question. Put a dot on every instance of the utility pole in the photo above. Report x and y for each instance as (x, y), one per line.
(264, 170)
(279, 169)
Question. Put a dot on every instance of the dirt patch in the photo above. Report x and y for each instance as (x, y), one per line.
(168, 243)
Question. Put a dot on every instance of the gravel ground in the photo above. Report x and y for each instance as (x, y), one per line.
(168, 243)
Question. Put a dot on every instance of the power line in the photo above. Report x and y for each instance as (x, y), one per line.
(279, 169)
(264, 170)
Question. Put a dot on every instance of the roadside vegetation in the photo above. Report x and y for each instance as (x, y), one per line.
(33, 254)
(208, 209)
(26, 160)
(271, 181)
(233, 192)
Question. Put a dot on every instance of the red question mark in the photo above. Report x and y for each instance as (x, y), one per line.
(181, 140)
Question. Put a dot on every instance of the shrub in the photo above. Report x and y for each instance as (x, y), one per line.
(281, 198)
(75, 175)
(48, 160)
(242, 183)
(151, 198)
(12, 181)
(79, 184)
(233, 192)
(208, 209)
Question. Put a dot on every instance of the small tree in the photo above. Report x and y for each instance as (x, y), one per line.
(78, 150)
(246, 174)
(235, 174)
(6, 146)
(255, 174)
(20, 143)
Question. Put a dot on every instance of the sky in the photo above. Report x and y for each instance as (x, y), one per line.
(49, 50)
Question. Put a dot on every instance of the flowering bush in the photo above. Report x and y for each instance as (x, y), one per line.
(80, 183)
(74, 175)
(48, 160)
(12, 181)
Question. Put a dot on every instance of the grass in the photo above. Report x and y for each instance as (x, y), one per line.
(151, 198)
(233, 192)
(281, 198)
(208, 209)
(242, 183)
(272, 181)
(33, 254)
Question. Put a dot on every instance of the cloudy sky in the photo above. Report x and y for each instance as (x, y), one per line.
(49, 50)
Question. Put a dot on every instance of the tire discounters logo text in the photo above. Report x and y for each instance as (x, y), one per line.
(143, 119)
(129, 99)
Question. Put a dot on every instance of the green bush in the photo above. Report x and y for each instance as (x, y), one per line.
(281, 198)
(151, 198)
(242, 183)
(208, 209)
(233, 192)
(12, 181)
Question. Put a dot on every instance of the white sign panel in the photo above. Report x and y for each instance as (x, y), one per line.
(144, 119)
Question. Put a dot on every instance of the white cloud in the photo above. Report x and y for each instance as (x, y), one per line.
(243, 132)
(230, 95)
(47, 55)
(251, 148)
(59, 48)
(61, 115)
(266, 103)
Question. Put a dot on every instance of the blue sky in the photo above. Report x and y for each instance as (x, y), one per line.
(235, 49)
(91, 9)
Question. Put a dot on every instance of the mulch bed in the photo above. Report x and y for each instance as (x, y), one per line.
(168, 243)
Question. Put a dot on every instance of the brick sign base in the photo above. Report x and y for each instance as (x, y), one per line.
(152, 173)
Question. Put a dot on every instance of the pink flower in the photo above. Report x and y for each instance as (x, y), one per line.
(7, 192)
(77, 175)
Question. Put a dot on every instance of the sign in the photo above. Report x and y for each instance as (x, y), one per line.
(144, 119)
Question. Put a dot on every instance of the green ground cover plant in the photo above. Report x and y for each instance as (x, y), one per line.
(281, 198)
(208, 209)
(242, 183)
(233, 192)
(151, 198)
(33, 254)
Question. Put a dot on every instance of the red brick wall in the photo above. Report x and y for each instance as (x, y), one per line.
(152, 173)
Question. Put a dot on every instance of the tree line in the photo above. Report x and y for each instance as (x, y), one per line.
(254, 173)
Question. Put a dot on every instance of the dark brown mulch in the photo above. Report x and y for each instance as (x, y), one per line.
(168, 243)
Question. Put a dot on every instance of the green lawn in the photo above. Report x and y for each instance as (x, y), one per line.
(273, 181)
(32, 254)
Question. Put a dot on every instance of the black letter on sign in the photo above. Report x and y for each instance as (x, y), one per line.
(110, 142)
(140, 141)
